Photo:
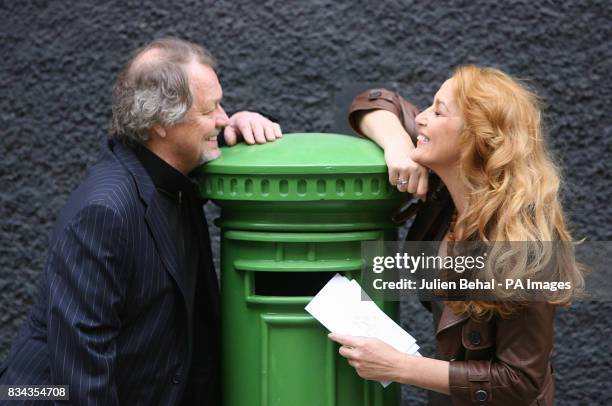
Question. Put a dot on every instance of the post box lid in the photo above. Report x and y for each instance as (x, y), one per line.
(301, 153)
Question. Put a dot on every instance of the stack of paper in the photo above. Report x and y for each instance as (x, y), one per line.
(340, 307)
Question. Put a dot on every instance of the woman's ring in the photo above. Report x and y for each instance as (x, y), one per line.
(402, 181)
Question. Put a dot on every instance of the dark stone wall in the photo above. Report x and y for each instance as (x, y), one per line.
(292, 59)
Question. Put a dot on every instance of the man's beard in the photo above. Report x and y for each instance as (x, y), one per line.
(208, 156)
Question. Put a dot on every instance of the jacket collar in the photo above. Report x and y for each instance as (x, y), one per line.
(127, 158)
(449, 318)
(434, 214)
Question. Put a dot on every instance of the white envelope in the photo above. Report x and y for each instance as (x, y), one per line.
(340, 308)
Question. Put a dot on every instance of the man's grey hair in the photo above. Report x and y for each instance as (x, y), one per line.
(154, 90)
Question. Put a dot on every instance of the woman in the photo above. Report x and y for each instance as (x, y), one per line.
(483, 138)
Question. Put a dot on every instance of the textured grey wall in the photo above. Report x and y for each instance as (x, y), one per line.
(59, 60)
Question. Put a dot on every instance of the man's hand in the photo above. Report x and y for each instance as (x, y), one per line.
(371, 358)
(252, 127)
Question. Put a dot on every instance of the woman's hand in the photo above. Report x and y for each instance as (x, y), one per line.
(371, 358)
(385, 128)
(404, 173)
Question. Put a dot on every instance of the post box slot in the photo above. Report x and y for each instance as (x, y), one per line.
(289, 283)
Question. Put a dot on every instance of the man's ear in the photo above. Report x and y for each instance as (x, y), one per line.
(158, 130)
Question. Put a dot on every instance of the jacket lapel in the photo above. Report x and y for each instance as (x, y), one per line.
(437, 210)
(439, 204)
(160, 230)
(154, 216)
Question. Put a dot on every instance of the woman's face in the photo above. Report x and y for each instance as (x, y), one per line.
(439, 129)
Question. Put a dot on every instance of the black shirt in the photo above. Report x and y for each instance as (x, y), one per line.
(180, 206)
(184, 212)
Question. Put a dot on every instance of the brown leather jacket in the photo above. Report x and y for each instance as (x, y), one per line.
(501, 361)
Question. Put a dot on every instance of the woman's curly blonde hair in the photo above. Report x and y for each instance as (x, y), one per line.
(512, 180)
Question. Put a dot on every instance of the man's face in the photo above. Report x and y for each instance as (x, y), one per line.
(194, 141)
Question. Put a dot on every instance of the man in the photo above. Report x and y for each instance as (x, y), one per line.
(128, 308)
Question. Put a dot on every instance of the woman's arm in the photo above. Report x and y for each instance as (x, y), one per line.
(383, 127)
(388, 119)
(516, 375)
(376, 360)
(427, 373)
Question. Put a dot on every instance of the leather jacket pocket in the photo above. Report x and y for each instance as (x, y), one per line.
(478, 335)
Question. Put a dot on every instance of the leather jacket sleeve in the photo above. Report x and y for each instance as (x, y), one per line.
(520, 368)
(384, 99)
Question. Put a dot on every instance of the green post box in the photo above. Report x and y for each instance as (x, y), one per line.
(293, 213)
